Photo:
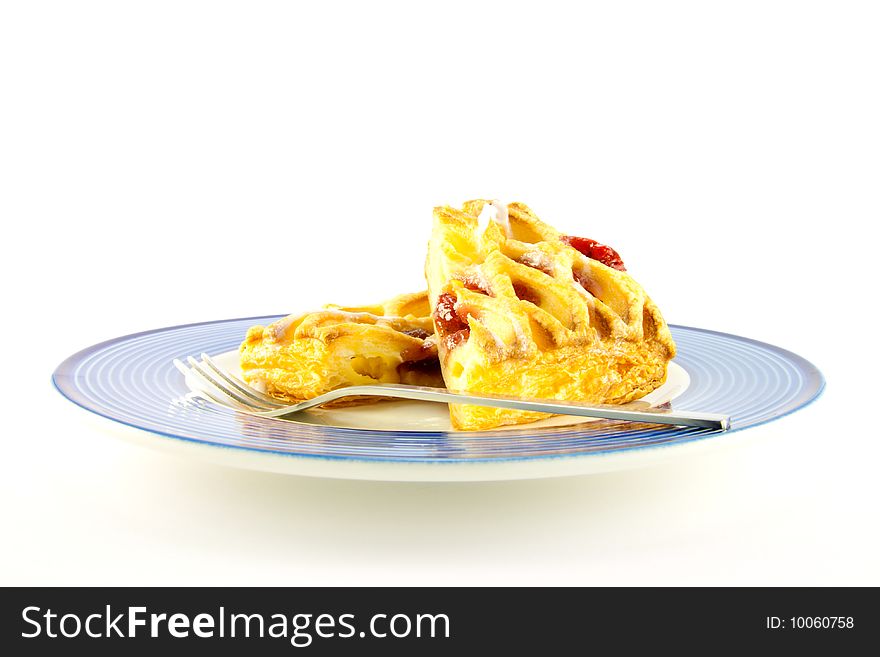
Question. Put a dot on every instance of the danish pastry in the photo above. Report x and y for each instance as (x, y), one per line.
(521, 309)
(303, 356)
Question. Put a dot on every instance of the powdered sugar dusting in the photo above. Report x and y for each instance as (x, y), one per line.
(494, 211)
(538, 260)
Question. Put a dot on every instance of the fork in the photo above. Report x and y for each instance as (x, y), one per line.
(234, 392)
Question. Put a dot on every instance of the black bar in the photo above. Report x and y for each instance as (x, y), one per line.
(521, 620)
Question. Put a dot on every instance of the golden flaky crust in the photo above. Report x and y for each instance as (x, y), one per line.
(303, 356)
(536, 318)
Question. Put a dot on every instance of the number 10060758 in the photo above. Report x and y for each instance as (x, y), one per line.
(811, 623)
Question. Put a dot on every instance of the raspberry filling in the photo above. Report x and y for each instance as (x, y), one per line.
(592, 249)
(421, 334)
(525, 293)
(452, 328)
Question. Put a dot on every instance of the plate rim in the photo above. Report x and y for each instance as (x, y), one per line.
(688, 439)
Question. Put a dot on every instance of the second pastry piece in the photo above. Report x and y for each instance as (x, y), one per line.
(520, 309)
(302, 356)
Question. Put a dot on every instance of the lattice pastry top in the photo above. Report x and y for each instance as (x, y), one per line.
(520, 308)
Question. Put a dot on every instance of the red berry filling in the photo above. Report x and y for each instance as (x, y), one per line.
(592, 249)
(525, 293)
(452, 328)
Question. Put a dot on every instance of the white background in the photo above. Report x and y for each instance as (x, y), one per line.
(171, 162)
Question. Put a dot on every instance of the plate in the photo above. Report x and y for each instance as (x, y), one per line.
(132, 381)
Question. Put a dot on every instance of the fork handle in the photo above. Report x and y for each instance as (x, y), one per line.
(604, 411)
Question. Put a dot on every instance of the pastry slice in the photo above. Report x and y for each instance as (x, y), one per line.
(521, 309)
(303, 356)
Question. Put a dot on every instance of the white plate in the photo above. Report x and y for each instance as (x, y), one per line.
(131, 380)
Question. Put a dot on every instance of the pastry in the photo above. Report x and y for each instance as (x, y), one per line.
(521, 309)
(303, 356)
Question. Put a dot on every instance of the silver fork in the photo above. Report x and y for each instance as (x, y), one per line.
(228, 390)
